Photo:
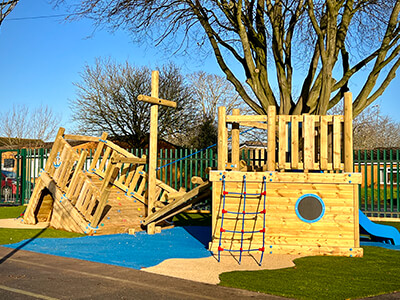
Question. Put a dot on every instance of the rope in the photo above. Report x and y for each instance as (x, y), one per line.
(198, 151)
(244, 213)
(222, 221)
(242, 231)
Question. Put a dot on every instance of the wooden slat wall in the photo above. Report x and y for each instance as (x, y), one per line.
(336, 233)
(305, 142)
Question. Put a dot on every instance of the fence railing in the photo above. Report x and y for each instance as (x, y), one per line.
(379, 192)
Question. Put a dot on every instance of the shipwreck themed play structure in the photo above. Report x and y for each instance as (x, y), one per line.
(114, 194)
(304, 200)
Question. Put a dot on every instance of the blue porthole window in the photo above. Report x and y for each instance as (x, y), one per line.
(310, 208)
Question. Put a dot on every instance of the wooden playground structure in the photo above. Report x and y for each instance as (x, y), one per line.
(303, 201)
(114, 194)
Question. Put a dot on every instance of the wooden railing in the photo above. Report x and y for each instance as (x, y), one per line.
(295, 142)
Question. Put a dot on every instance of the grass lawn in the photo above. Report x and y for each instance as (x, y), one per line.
(10, 236)
(324, 277)
(9, 212)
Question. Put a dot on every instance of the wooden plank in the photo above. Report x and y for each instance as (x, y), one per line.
(283, 139)
(271, 138)
(92, 203)
(83, 138)
(29, 216)
(82, 194)
(348, 132)
(54, 149)
(306, 250)
(222, 138)
(137, 174)
(130, 160)
(152, 172)
(235, 142)
(105, 190)
(356, 217)
(273, 177)
(156, 100)
(105, 159)
(120, 150)
(192, 193)
(98, 151)
(78, 169)
(66, 171)
(54, 172)
(323, 139)
(254, 125)
(309, 141)
(336, 142)
(246, 118)
(294, 152)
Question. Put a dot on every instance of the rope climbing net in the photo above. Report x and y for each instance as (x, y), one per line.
(243, 213)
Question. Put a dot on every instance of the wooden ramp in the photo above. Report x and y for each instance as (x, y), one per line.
(109, 196)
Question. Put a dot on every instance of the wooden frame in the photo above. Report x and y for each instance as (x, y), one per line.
(314, 157)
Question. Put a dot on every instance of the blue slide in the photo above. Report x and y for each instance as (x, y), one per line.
(379, 233)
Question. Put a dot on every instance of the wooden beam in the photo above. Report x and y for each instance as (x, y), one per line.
(98, 151)
(128, 160)
(166, 209)
(336, 142)
(271, 138)
(348, 132)
(283, 140)
(222, 138)
(294, 149)
(246, 118)
(309, 142)
(156, 100)
(81, 138)
(258, 125)
(152, 173)
(287, 177)
(235, 141)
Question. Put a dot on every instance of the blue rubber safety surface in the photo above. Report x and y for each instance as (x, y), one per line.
(137, 251)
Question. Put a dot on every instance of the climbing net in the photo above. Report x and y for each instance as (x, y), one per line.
(243, 213)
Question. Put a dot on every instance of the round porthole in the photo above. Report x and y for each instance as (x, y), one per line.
(310, 208)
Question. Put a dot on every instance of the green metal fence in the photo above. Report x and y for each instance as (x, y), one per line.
(379, 192)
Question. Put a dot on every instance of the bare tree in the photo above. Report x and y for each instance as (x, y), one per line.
(331, 40)
(372, 129)
(31, 127)
(6, 7)
(107, 101)
(211, 91)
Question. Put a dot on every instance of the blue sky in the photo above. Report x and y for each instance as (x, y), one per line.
(41, 58)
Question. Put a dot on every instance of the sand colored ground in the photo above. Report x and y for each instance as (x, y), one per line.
(19, 223)
(207, 269)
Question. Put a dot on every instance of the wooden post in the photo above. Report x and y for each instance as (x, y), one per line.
(235, 142)
(98, 152)
(271, 138)
(222, 139)
(152, 173)
(348, 132)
